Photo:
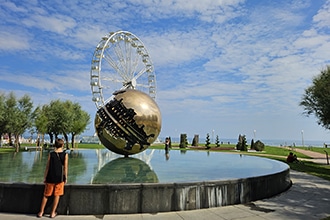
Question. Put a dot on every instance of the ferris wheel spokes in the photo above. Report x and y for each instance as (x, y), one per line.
(124, 67)
(126, 64)
(139, 74)
(110, 61)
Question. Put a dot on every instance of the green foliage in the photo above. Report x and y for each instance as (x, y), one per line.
(317, 98)
(79, 121)
(57, 117)
(183, 141)
(321, 150)
(97, 146)
(258, 145)
(195, 140)
(252, 144)
(281, 151)
(61, 117)
(241, 144)
(194, 143)
(16, 116)
(207, 141)
(322, 171)
(217, 141)
(41, 119)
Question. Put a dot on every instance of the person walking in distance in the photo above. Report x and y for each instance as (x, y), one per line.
(56, 174)
(167, 145)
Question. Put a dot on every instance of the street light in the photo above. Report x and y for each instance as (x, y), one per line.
(254, 134)
(302, 137)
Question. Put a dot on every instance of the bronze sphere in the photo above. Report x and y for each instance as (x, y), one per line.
(128, 123)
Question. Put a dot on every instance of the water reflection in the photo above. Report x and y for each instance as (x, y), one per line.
(85, 167)
(125, 170)
(167, 156)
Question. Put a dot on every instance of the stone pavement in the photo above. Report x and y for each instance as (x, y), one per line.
(308, 198)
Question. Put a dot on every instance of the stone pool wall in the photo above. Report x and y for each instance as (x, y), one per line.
(144, 197)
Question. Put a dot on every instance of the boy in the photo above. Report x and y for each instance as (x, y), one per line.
(55, 177)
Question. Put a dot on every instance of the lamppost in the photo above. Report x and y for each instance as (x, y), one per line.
(254, 134)
(302, 137)
(213, 136)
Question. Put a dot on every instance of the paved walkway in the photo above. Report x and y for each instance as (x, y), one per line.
(317, 157)
(308, 198)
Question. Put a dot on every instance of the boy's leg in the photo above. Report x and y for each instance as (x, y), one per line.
(58, 191)
(55, 203)
(42, 206)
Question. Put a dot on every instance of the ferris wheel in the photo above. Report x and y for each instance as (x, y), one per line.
(120, 61)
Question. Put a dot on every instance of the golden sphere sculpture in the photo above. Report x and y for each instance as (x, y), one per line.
(129, 123)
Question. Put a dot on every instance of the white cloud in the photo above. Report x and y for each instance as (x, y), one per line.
(322, 18)
(173, 48)
(13, 7)
(220, 64)
(62, 80)
(53, 23)
(31, 81)
(13, 41)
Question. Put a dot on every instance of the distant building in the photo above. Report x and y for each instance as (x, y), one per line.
(90, 140)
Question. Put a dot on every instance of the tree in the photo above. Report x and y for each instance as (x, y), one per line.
(23, 118)
(2, 116)
(252, 144)
(217, 141)
(259, 146)
(68, 115)
(9, 122)
(241, 145)
(207, 141)
(80, 120)
(61, 117)
(57, 119)
(41, 122)
(183, 141)
(195, 140)
(316, 99)
(16, 116)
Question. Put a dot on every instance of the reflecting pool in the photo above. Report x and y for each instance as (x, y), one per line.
(151, 166)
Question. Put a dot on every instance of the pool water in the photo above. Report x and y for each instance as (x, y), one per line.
(151, 166)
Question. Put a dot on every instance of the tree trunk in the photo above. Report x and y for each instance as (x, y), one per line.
(42, 139)
(72, 140)
(10, 142)
(38, 144)
(51, 138)
(17, 145)
(66, 141)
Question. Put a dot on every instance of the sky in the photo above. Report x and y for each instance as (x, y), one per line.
(223, 67)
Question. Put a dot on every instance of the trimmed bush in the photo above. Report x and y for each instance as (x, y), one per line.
(259, 146)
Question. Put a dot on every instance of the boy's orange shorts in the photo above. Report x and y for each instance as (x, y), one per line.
(56, 189)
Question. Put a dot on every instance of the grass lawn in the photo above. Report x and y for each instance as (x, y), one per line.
(6, 150)
(322, 171)
(321, 150)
